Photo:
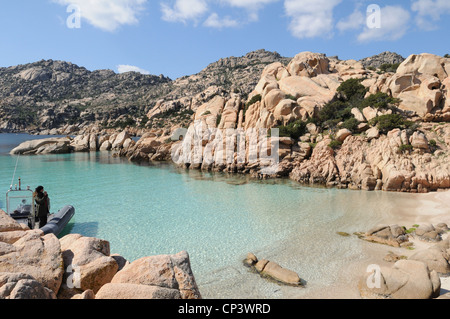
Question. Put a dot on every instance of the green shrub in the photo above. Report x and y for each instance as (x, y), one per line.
(389, 67)
(125, 123)
(433, 143)
(144, 121)
(219, 118)
(334, 144)
(388, 122)
(351, 124)
(330, 111)
(379, 101)
(405, 148)
(293, 130)
(447, 56)
(352, 89)
(291, 97)
(256, 98)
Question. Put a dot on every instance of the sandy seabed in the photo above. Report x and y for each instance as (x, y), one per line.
(240, 283)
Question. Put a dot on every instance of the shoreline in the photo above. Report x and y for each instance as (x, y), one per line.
(433, 207)
(343, 282)
(416, 212)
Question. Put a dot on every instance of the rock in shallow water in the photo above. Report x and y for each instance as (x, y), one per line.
(273, 271)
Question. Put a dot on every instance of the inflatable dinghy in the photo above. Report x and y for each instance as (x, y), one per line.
(25, 213)
(57, 222)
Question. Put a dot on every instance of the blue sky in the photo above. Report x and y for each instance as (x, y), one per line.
(181, 37)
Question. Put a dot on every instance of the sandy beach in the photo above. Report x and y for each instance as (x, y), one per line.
(431, 208)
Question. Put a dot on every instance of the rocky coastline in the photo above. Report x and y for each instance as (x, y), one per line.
(408, 154)
(411, 263)
(38, 266)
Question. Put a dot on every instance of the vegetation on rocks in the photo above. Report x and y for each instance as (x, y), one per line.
(379, 100)
(334, 144)
(293, 130)
(388, 67)
(388, 122)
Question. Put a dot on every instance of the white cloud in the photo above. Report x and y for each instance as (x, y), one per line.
(193, 10)
(214, 21)
(354, 21)
(310, 19)
(429, 12)
(184, 10)
(106, 14)
(123, 68)
(248, 4)
(251, 6)
(394, 24)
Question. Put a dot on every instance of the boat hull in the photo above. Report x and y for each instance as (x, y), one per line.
(59, 221)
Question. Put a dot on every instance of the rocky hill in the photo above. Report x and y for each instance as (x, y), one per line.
(340, 124)
(59, 95)
(382, 59)
(49, 94)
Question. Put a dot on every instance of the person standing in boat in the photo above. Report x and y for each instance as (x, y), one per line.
(42, 205)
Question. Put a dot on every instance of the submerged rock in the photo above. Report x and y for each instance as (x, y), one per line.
(273, 271)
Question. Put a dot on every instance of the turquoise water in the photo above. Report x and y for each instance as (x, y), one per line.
(145, 210)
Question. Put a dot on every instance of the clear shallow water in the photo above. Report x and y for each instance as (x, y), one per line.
(147, 210)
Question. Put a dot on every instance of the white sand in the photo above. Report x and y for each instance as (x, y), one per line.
(411, 209)
(432, 208)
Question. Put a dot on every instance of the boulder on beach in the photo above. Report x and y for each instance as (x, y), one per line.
(392, 235)
(427, 232)
(436, 257)
(171, 272)
(406, 279)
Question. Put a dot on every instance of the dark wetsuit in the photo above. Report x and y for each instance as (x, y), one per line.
(42, 209)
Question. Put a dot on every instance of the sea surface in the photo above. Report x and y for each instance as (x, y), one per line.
(145, 210)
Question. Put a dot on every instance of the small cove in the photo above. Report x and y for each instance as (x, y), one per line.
(145, 210)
